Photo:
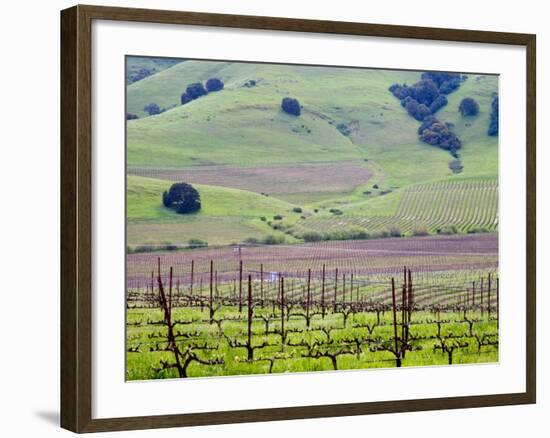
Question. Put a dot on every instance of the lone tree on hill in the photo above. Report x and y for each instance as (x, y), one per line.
(468, 107)
(214, 84)
(291, 106)
(152, 109)
(182, 197)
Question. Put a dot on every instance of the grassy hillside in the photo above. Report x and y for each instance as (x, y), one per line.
(144, 197)
(223, 129)
(136, 63)
(232, 126)
(318, 85)
(222, 209)
(353, 148)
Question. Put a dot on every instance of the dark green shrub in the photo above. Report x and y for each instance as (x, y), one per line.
(344, 129)
(141, 74)
(456, 166)
(130, 116)
(420, 231)
(196, 243)
(291, 106)
(438, 134)
(438, 103)
(477, 230)
(422, 111)
(273, 240)
(493, 124)
(468, 107)
(196, 90)
(446, 82)
(425, 91)
(426, 123)
(277, 217)
(394, 232)
(214, 84)
(152, 109)
(166, 200)
(185, 98)
(297, 209)
(449, 229)
(182, 197)
(400, 91)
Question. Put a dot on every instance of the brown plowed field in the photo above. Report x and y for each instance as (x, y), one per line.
(275, 180)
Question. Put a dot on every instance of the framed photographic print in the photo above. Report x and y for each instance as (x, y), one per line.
(268, 218)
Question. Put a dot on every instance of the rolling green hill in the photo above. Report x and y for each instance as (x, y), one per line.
(149, 222)
(154, 65)
(349, 121)
(223, 128)
(245, 126)
(144, 202)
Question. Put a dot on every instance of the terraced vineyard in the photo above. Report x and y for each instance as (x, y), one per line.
(467, 205)
(464, 204)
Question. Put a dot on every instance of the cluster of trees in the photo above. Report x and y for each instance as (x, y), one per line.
(197, 89)
(419, 111)
(291, 106)
(141, 74)
(182, 197)
(426, 97)
(493, 123)
(437, 133)
(446, 82)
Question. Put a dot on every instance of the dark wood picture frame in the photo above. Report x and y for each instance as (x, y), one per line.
(76, 218)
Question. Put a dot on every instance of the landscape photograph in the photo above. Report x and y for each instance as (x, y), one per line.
(286, 218)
